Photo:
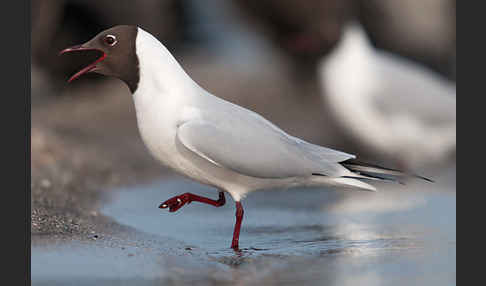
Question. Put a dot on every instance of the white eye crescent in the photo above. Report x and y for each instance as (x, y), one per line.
(110, 40)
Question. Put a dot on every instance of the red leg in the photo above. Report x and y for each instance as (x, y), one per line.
(177, 202)
(236, 233)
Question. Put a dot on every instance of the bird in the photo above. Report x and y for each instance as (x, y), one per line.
(210, 140)
(395, 108)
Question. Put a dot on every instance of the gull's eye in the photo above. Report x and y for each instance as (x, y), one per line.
(110, 40)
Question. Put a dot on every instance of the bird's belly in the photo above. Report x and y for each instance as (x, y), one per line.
(159, 136)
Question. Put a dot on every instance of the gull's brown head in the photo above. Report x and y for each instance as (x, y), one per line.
(118, 55)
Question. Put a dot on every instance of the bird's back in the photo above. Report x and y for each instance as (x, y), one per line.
(261, 141)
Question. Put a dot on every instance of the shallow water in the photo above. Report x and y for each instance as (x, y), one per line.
(401, 235)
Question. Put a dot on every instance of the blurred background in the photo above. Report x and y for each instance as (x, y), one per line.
(374, 78)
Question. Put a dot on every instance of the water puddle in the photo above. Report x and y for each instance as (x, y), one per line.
(297, 221)
(400, 235)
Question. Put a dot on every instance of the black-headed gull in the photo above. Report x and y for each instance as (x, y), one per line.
(211, 140)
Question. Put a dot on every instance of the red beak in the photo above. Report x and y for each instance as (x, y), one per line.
(88, 68)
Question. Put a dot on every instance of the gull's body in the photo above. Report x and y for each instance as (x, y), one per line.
(184, 126)
(209, 139)
(392, 106)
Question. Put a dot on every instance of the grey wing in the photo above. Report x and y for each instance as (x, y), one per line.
(258, 150)
(323, 153)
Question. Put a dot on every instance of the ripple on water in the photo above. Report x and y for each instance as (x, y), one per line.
(272, 226)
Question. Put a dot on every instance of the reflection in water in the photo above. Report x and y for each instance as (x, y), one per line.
(314, 237)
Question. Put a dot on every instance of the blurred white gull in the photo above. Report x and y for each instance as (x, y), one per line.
(391, 106)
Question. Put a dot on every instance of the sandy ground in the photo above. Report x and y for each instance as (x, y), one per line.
(81, 147)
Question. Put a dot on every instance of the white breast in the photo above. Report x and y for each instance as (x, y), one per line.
(164, 100)
(159, 97)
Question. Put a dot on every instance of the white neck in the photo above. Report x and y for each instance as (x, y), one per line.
(159, 70)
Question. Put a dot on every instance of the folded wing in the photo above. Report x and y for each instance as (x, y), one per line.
(257, 150)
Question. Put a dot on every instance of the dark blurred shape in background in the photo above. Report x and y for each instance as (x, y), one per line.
(307, 30)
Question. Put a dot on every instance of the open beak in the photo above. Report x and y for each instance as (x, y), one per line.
(90, 67)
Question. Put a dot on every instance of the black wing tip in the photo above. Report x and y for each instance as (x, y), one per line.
(357, 162)
(360, 163)
(317, 174)
(424, 178)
